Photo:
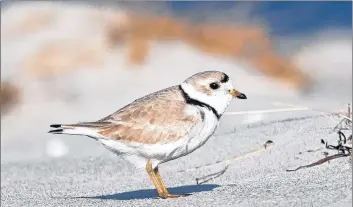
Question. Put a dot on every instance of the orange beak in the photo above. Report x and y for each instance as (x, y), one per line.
(237, 94)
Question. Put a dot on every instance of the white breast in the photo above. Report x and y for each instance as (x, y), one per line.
(196, 138)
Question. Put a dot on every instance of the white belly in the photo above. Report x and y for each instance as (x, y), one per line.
(138, 154)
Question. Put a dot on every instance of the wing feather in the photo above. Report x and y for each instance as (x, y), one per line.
(157, 118)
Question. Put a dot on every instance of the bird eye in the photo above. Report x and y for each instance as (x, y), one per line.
(214, 86)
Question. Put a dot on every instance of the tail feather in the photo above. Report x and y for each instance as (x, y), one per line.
(56, 131)
(55, 125)
(89, 129)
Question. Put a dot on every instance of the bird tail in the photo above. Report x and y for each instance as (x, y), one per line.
(89, 129)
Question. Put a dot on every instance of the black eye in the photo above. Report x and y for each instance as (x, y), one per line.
(214, 86)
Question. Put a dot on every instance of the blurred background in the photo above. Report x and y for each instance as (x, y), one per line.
(65, 62)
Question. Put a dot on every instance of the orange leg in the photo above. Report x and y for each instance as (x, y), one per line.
(155, 180)
(164, 189)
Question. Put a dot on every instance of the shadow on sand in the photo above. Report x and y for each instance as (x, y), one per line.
(152, 193)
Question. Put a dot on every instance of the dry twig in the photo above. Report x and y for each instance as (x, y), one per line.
(321, 161)
(228, 161)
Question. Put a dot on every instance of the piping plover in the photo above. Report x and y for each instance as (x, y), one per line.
(164, 125)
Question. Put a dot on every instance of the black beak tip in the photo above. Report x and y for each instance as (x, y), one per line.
(242, 96)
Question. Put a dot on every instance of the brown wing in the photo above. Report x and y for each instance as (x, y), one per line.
(158, 117)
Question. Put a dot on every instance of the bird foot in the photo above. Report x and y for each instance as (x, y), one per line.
(168, 195)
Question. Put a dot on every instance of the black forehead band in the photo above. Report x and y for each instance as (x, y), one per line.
(225, 79)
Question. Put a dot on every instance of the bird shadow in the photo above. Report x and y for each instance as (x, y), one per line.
(152, 193)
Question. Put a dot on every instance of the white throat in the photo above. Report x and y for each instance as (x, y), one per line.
(219, 102)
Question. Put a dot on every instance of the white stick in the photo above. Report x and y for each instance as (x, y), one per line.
(292, 108)
(346, 117)
(312, 109)
(268, 111)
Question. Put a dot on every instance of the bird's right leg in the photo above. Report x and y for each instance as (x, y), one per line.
(154, 179)
(164, 189)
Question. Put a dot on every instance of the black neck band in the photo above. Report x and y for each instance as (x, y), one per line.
(192, 101)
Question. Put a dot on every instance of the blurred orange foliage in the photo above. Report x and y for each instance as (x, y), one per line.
(249, 44)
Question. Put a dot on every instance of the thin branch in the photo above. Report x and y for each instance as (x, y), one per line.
(212, 176)
(268, 144)
(266, 111)
(321, 161)
(341, 114)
